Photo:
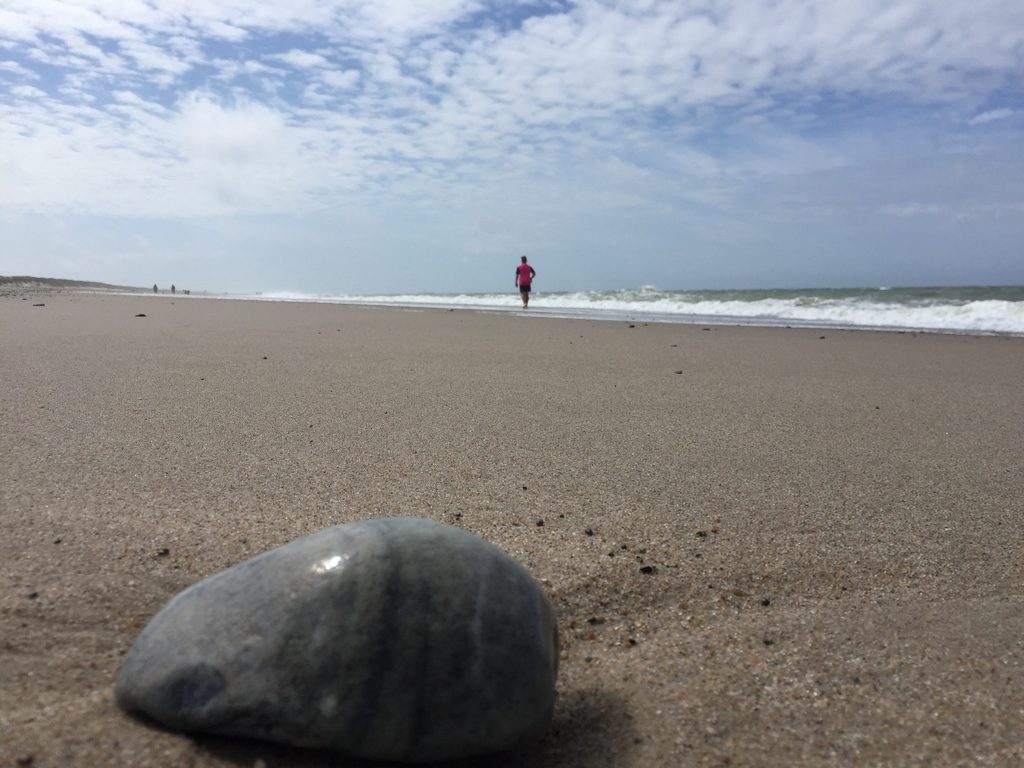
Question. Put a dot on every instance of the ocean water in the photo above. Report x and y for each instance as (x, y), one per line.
(972, 310)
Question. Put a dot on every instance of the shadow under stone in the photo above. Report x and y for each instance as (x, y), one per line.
(591, 728)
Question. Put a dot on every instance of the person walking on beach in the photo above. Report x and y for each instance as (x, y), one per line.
(524, 278)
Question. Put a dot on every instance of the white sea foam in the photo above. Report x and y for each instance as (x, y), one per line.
(953, 310)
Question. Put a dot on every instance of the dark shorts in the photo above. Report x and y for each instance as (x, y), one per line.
(524, 289)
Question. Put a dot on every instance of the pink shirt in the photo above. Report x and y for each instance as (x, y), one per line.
(525, 278)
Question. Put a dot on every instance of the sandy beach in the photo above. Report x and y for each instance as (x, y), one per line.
(765, 547)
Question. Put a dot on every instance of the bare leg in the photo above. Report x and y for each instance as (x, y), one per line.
(525, 297)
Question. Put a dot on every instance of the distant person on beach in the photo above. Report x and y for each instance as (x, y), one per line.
(154, 287)
(172, 288)
(524, 278)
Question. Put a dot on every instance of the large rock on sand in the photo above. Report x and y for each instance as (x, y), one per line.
(397, 639)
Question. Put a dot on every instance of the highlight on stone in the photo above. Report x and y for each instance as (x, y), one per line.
(393, 639)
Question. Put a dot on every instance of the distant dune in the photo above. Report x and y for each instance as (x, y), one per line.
(23, 282)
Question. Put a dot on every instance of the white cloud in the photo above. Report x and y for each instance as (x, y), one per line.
(77, 55)
(16, 26)
(603, 103)
(242, 134)
(134, 100)
(150, 57)
(340, 80)
(28, 92)
(18, 71)
(300, 59)
(992, 115)
(223, 31)
(908, 210)
(256, 68)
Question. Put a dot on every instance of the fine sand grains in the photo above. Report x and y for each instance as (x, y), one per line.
(763, 546)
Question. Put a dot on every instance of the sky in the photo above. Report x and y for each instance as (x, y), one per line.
(391, 146)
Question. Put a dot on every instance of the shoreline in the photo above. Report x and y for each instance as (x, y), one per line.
(803, 545)
(602, 315)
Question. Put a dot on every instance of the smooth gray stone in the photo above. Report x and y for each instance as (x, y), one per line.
(394, 639)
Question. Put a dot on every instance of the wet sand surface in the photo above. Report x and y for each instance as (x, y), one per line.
(764, 546)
